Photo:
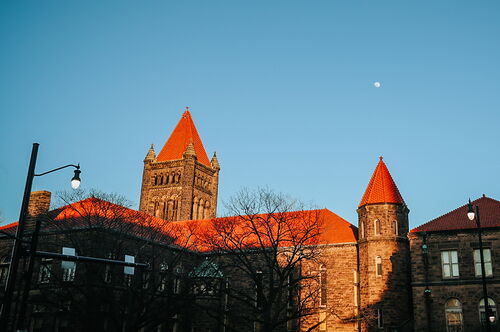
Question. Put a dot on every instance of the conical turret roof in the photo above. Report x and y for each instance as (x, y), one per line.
(184, 133)
(381, 188)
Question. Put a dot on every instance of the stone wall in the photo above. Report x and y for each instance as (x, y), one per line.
(431, 290)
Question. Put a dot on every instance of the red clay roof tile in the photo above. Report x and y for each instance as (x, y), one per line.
(381, 188)
(489, 210)
(184, 132)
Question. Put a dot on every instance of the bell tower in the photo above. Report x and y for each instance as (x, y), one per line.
(181, 183)
(384, 254)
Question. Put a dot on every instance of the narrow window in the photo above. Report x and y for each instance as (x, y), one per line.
(4, 269)
(395, 227)
(380, 318)
(453, 314)
(482, 312)
(258, 289)
(378, 266)
(449, 262)
(145, 279)
(108, 271)
(322, 285)
(68, 267)
(362, 230)
(45, 271)
(488, 267)
(377, 227)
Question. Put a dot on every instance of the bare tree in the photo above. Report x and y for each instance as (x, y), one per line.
(96, 296)
(266, 247)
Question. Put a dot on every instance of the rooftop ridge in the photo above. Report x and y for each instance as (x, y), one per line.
(421, 228)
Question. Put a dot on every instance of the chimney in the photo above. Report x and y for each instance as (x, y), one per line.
(38, 206)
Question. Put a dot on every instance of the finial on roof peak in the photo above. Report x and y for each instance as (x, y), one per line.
(151, 155)
(214, 162)
(484, 195)
(381, 158)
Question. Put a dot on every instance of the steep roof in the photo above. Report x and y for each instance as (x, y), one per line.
(184, 133)
(381, 188)
(489, 211)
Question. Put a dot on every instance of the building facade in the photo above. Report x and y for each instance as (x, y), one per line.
(378, 276)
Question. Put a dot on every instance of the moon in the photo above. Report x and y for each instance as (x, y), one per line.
(377, 84)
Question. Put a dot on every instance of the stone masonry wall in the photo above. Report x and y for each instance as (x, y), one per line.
(429, 306)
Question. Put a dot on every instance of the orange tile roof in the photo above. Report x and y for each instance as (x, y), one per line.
(332, 229)
(191, 234)
(381, 188)
(489, 210)
(183, 134)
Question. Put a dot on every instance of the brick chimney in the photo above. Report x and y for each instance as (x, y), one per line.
(38, 206)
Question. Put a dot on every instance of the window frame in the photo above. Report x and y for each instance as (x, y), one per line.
(450, 263)
(379, 271)
(477, 264)
(481, 309)
(457, 310)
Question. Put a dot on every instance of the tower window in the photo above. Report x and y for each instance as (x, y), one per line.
(361, 230)
(378, 266)
(377, 227)
(380, 318)
(395, 227)
(322, 285)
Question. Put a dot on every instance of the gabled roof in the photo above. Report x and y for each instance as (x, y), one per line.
(381, 188)
(489, 211)
(184, 133)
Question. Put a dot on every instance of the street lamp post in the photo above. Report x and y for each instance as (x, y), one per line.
(18, 250)
(487, 313)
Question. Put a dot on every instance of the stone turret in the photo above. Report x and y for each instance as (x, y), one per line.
(383, 254)
(180, 183)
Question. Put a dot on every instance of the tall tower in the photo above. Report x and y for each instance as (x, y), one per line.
(180, 183)
(384, 254)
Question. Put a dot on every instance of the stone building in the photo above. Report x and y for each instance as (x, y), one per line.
(446, 270)
(379, 276)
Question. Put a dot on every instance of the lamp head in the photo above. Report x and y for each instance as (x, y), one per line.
(75, 181)
(470, 211)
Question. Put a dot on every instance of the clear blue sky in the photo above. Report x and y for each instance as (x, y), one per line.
(282, 90)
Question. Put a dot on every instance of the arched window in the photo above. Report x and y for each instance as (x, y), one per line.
(322, 285)
(376, 227)
(453, 314)
(395, 227)
(493, 311)
(378, 266)
(361, 230)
